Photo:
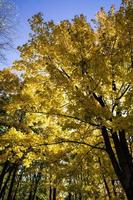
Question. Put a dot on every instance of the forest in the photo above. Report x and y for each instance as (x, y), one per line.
(66, 110)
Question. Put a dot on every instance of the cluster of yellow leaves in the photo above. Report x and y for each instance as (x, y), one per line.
(55, 111)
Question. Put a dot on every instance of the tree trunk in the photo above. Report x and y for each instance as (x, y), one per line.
(121, 160)
(30, 194)
(3, 189)
(18, 183)
(54, 193)
(113, 185)
(80, 196)
(69, 196)
(12, 183)
(37, 179)
(104, 179)
(129, 190)
(4, 171)
(31, 190)
(50, 193)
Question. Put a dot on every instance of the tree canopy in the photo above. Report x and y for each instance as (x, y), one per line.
(67, 110)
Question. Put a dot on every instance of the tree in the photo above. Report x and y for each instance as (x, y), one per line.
(77, 89)
(7, 24)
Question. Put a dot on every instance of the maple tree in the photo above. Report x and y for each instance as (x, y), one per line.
(70, 106)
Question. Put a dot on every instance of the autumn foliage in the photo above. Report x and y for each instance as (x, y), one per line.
(66, 110)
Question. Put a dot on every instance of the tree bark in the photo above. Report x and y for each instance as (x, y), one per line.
(120, 159)
(37, 179)
(12, 183)
(113, 186)
(3, 189)
(54, 193)
(4, 171)
(50, 193)
(69, 196)
(18, 183)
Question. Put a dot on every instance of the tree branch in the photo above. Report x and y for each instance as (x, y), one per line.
(122, 94)
(74, 142)
(67, 116)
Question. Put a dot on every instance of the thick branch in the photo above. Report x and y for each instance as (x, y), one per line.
(99, 99)
(112, 154)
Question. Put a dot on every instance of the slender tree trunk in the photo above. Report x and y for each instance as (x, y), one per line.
(4, 171)
(80, 196)
(104, 180)
(107, 188)
(3, 189)
(75, 197)
(54, 193)
(38, 178)
(113, 185)
(12, 183)
(15, 193)
(69, 196)
(50, 193)
(30, 193)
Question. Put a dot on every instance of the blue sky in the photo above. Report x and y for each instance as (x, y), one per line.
(52, 9)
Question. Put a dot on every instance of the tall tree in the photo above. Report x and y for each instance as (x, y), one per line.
(81, 78)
